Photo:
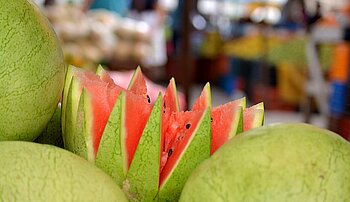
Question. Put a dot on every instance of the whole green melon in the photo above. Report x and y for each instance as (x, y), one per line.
(36, 172)
(285, 162)
(31, 70)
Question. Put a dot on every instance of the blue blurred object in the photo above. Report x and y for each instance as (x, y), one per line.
(337, 98)
(117, 6)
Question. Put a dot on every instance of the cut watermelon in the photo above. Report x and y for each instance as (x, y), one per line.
(253, 116)
(149, 152)
(137, 84)
(226, 122)
(135, 113)
(147, 157)
(204, 100)
(193, 135)
(103, 74)
(170, 105)
(109, 155)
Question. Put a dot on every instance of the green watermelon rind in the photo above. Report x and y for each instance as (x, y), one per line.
(71, 70)
(173, 85)
(109, 155)
(258, 115)
(85, 124)
(196, 151)
(143, 175)
(237, 124)
(70, 112)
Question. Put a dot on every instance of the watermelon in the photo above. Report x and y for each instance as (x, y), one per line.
(40, 173)
(253, 116)
(226, 122)
(53, 132)
(148, 150)
(31, 65)
(281, 162)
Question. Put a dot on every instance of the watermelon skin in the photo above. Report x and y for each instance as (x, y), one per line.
(109, 155)
(143, 175)
(53, 132)
(196, 150)
(253, 116)
(31, 65)
(40, 173)
(281, 162)
(73, 137)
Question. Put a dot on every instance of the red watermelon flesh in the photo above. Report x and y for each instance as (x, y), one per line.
(204, 100)
(137, 111)
(170, 105)
(102, 101)
(137, 83)
(224, 122)
(181, 128)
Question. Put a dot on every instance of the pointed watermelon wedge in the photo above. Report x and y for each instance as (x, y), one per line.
(71, 71)
(253, 116)
(109, 155)
(143, 176)
(135, 113)
(204, 100)
(103, 74)
(193, 147)
(227, 121)
(137, 83)
(170, 105)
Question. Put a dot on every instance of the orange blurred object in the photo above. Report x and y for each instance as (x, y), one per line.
(340, 66)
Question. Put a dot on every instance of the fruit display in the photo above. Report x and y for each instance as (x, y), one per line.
(118, 145)
(283, 162)
(119, 131)
(31, 65)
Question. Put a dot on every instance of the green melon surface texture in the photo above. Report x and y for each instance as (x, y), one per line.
(32, 71)
(109, 155)
(143, 175)
(35, 172)
(285, 162)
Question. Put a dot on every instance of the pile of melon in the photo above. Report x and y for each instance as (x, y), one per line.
(117, 146)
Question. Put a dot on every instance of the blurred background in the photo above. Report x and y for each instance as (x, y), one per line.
(291, 54)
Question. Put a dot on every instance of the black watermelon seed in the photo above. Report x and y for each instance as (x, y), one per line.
(164, 111)
(211, 119)
(188, 126)
(164, 105)
(148, 99)
(170, 152)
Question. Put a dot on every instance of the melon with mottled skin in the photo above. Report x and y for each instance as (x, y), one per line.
(32, 71)
(283, 162)
(36, 172)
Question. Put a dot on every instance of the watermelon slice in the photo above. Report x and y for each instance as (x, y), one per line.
(193, 134)
(170, 105)
(204, 100)
(253, 116)
(147, 157)
(226, 122)
(138, 83)
(148, 151)
(103, 74)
